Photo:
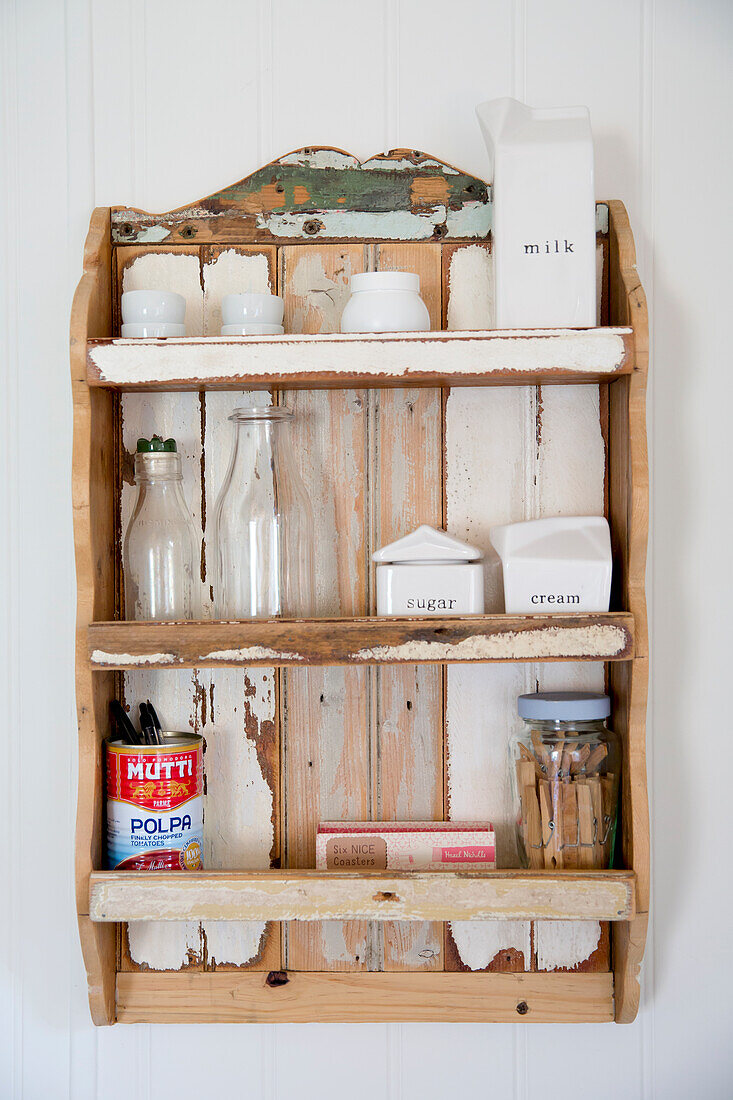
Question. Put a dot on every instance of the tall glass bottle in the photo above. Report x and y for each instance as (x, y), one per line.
(160, 549)
(263, 523)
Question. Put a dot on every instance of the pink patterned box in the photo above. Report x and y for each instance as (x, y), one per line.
(405, 846)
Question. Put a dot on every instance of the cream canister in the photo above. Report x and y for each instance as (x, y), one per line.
(429, 573)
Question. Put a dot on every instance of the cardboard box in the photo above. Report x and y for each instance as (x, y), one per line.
(405, 846)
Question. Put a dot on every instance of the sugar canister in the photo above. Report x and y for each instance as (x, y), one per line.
(429, 573)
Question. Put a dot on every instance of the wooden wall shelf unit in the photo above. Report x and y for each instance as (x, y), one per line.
(354, 716)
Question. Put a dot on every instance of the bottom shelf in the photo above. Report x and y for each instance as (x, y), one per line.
(297, 997)
(364, 895)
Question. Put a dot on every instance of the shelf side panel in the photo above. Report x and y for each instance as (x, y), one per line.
(93, 481)
(629, 502)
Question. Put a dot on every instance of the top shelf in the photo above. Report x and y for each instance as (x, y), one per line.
(468, 358)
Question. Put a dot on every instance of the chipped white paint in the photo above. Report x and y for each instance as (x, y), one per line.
(164, 946)
(251, 653)
(378, 164)
(321, 158)
(231, 272)
(154, 234)
(238, 828)
(396, 225)
(319, 298)
(170, 271)
(481, 943)
(404, 356)
(512, 645)
(116, 660)
(472, 219)
(470, 288)
(563, 945)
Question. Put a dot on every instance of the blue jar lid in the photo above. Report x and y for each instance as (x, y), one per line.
(564, 706)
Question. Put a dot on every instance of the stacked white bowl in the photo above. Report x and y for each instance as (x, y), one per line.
(147, 313)
(252, 315)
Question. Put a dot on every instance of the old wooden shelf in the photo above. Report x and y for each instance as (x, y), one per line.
(498, 358)
(365, 895)
(278, 642)
(352, 715)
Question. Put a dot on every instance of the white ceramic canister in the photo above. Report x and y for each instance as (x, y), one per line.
(544, 214)
(556, 565)
(252, 308)
(429, 573)
(153, 307)
(385, 301)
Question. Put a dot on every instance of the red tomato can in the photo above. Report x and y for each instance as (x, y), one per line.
(155, 814)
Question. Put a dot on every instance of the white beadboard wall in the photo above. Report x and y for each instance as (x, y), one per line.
(157, 104)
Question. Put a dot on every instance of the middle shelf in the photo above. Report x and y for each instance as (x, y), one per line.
(361, 641)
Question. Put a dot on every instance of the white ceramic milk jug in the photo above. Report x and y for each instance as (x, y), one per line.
(544, 216)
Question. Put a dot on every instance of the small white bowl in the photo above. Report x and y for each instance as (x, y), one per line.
(153, 307)
(252, 330)
(246, 309)
(138, 331)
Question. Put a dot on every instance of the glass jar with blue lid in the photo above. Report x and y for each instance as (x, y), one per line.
(565, 766)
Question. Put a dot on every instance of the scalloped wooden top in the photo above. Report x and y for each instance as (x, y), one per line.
(326, 194)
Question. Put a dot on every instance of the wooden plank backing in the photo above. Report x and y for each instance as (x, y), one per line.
(406, 463)
(326, 713)
(387, 998)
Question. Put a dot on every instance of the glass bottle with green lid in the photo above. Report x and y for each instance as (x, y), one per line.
(565, 768)
(160, 548)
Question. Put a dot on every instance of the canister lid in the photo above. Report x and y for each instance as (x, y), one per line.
(564, 706)
(427, 544)
(385, 280)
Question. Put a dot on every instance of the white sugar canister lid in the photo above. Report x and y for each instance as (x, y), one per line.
(564, 706)
(427, 544)
(385, 280)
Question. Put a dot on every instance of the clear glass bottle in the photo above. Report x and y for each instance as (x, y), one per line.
(565, 768)
(160, 550)
(263, 523)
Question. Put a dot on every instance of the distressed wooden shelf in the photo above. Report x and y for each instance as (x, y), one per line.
(601, 637)
(386, 436)
(362, 895)
(492, 357)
